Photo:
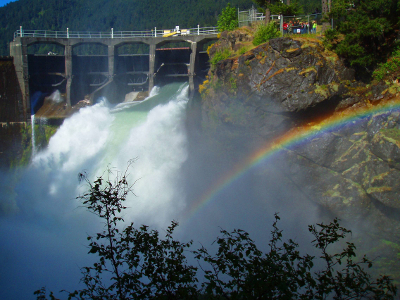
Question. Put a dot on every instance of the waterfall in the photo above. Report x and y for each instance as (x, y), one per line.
(52, 224)
(101, 137)
(33, 135)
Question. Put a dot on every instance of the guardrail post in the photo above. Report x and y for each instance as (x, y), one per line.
(112, 33)
(198, 29)
(21, 33)
(67, 33)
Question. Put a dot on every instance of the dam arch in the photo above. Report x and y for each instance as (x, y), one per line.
(132, 65)
(172, 60)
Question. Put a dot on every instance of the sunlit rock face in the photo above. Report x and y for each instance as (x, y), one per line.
(351, 171)
(277, 84)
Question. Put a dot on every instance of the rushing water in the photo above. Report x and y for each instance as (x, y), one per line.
(33, 135)
(44, 244)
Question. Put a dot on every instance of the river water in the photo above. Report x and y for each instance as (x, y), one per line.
(44, 243)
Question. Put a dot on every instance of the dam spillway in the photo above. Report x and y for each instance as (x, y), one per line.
(109, 73)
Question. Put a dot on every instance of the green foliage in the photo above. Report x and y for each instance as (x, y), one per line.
(219, 55)
(242, 50)
(366, 31)
(43, 133)
(389, 69)
(228, 19)
(265, 32)
(331, 38)
(392, 133)
(311, 6)
(100, 15)
(277, 7)
(142, 265)
(233, 84)
(240, 269)
(350, 281)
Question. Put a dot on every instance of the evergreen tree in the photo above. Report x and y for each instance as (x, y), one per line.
(228, 19)
(365, 31)
(102, 15)
(277, 7)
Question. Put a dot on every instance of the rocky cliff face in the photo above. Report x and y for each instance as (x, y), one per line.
(353, 171)
(278, 85)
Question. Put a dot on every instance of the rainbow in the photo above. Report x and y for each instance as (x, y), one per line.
(288, 140)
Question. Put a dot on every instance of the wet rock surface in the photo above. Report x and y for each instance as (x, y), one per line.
(351, 170)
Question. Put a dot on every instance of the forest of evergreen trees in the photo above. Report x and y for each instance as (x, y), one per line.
(101, 15)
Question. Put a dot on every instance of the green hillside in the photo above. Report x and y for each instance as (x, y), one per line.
(101, 15)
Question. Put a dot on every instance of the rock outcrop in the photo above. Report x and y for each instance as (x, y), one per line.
(352, 171)
(278, 84)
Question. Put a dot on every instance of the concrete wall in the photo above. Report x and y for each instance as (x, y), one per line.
(11, 105)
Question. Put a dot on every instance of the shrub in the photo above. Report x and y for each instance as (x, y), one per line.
(220, 55)
(242, 50)
(391, 68)
(143, 265)
(265, 33)
(228, 19)
(203, 87)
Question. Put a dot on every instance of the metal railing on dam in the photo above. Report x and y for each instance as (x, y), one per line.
(114, 34)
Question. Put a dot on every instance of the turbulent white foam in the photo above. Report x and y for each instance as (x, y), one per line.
(75, 147)
(56, 97)
(154, 91)
(95, 138)
(79, 138)
(125, 105)
(159, 144)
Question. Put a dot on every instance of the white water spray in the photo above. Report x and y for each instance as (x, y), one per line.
(98, 137)
(45, 244)
(33, 135)
(56, 97)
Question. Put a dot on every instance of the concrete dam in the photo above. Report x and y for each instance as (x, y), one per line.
(123, 62)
